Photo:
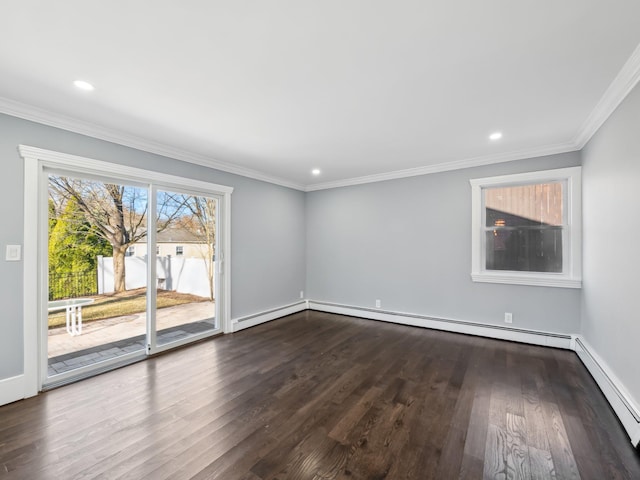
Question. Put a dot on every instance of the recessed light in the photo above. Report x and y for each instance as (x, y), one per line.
(82, 85)
(495, 136)
(316, 171)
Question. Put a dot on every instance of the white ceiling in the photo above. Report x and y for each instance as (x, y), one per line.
(357, 88)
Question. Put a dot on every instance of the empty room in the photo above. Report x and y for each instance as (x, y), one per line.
(319, 240)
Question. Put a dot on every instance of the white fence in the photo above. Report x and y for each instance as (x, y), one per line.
(180, 274)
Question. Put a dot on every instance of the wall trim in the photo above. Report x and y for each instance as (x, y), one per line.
(623, 404)
(450, 166)
(625, 407)
(12, 389)
(549, 281)
(52, 119)
(617, 91)
(88, 165)
(46, 117)
(534, 337)
(571, 274)
(254, 319)
(36, 162)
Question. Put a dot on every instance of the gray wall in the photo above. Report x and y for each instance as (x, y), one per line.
(611, 236)
(408, 243)
(267, 231)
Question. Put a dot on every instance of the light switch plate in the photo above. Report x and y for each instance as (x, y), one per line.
(13, 253)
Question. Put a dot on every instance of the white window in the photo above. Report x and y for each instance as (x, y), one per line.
(131, 251)
(526, 228)
(179, 250)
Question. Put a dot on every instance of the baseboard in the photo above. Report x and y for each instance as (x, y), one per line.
(534, 337)
(625, 407)
(241, 323)
(12, 389)
(623, 404)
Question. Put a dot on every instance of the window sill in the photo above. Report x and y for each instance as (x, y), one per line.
(535, 280)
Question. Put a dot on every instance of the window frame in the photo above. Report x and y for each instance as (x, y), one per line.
(571, 275)
(38, 163)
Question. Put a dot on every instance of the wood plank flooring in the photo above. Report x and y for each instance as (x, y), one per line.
(321, 396)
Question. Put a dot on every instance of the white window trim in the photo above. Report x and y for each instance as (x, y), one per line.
(37, 161)
(571, 277)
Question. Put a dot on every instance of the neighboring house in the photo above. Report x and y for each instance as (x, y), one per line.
(176, 242)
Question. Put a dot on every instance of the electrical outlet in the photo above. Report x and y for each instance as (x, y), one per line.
(378, 304)
(508, 317)
(301, 293)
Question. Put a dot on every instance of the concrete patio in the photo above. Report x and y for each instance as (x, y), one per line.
(103, 339)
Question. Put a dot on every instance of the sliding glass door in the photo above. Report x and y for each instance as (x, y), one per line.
(97, 290)
(185, 268)
(131, 270)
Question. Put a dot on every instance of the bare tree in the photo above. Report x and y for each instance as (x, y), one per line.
(203, 227)
(117, 212)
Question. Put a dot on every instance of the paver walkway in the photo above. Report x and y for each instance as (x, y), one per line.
(111, 337)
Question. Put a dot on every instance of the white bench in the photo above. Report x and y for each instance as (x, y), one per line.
(73, 306)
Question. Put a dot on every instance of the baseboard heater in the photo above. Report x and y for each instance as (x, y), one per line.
(536, 337)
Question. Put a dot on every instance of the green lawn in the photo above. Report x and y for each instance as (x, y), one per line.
(125, 303)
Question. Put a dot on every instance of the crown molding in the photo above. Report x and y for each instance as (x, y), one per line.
(39, 115)
(448, 166)
(621, 86)
(625, 81)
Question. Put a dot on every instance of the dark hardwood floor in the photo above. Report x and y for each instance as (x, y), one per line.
(320, 396)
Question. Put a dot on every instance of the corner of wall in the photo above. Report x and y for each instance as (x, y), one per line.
(623, 404)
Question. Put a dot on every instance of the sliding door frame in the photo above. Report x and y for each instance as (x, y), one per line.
(38, 163)
(153, 347)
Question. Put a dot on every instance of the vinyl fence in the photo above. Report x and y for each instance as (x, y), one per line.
(180, 274)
